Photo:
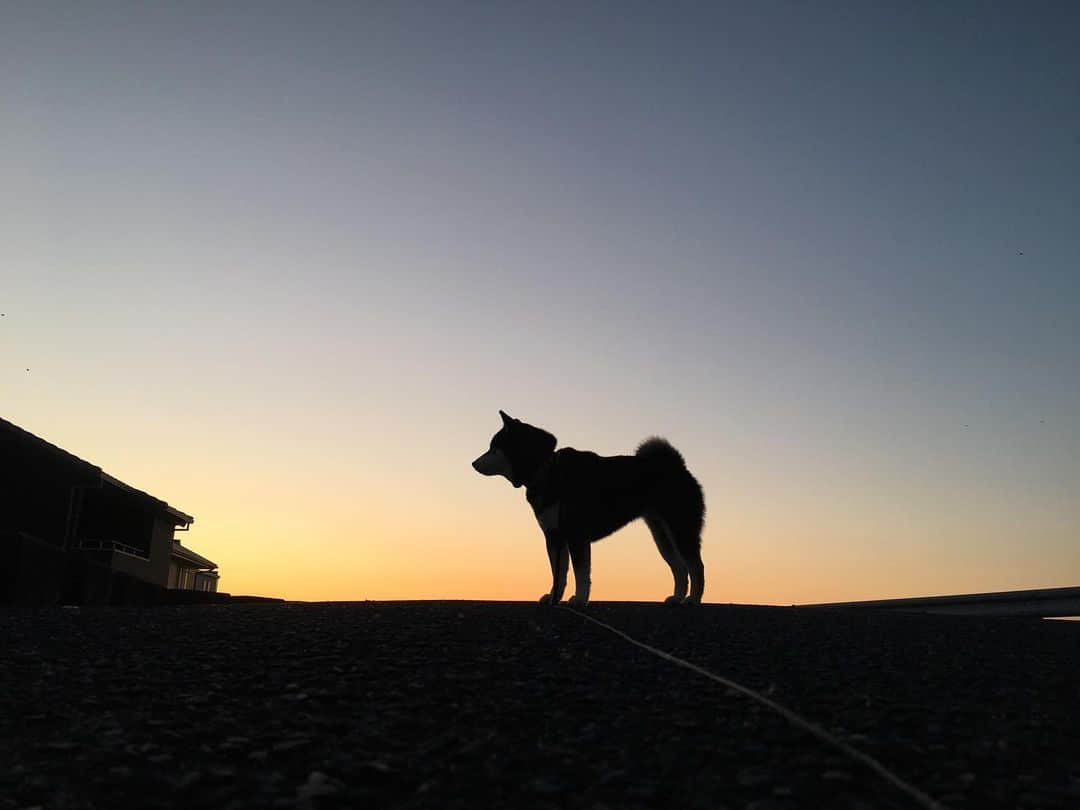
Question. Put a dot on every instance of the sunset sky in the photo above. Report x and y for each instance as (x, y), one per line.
(280, 264)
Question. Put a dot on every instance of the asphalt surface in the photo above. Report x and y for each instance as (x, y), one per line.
(474, 704)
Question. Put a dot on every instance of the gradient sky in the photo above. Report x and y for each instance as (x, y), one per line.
(280, 264)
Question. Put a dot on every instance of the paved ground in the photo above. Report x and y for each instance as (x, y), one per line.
(476, 705)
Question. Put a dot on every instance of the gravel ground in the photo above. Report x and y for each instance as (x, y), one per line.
(481, 704)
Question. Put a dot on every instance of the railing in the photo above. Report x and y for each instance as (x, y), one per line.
(112, 545)
(1045, 602)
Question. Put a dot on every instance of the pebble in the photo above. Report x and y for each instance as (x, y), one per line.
(836, 775)
(770, 804)
(377, 765)
(544, 787)
(754, 776)
(318, 784)
(289, 745)
(188, 779)
(59, 746)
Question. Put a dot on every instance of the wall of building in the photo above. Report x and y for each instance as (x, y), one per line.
(119, 561)
(36, 495)
(117, 515)
(161, 541)
(188, 578)
(31, 570)
(156, 568)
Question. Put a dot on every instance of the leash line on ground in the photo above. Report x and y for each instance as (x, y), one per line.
(795, 719)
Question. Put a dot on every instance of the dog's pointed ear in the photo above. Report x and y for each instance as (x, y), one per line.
(506, 419)
(550, 442)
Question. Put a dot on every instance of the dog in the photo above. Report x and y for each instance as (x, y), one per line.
(579, 497)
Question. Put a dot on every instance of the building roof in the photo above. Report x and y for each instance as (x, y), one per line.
(179, 518)
(92, 471)
(63, 455)
(185, 554)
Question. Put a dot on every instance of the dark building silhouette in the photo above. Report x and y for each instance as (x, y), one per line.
(72, 533)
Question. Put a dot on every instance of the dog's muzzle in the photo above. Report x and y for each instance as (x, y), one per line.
(493, 462)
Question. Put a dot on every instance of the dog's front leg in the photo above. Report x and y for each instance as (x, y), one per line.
(581, 554)
(559, 557)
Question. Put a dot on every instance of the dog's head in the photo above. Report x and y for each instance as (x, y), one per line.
(516, 451)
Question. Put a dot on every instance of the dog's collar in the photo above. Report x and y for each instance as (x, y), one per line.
(542, 474)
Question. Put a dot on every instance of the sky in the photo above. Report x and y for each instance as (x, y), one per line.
(280, 264)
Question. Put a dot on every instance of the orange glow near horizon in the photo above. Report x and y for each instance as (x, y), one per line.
(299, 520)
(343, 545)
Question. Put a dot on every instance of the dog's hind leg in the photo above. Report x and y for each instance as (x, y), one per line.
(689, 546)
(683, 511)
(665, 544)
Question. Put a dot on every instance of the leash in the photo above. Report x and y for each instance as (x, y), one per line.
(796, 720)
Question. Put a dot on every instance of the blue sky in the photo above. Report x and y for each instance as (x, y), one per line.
(323, 237)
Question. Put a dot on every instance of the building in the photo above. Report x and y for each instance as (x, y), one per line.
(72, 533)
(189, 571)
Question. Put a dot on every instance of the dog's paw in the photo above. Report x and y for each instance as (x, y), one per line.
(674, 601)
(577, 602)
(546, 599)
(690, 601)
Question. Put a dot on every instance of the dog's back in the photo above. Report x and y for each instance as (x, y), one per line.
(600, 494)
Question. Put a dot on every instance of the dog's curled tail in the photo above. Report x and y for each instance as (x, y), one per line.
(660, 452)
(683, 500)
